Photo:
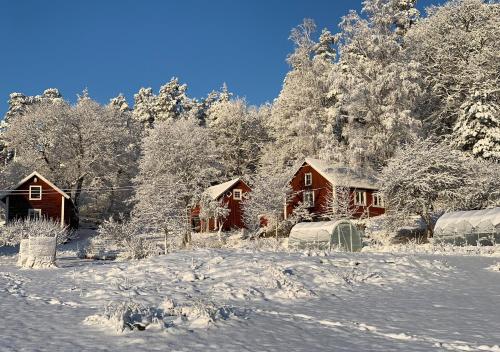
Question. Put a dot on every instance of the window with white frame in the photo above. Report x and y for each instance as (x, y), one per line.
(34, 214)
(35, 193)
(309, 199)
(237, 194)
(308, 179)
(360, 198)
(378, 201)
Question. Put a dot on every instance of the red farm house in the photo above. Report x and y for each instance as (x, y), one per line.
(36, 197)
(313, 184)
(229, 193)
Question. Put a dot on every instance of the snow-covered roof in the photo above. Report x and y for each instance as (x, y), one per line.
(216, 191)
(338, 174)
(27, 178)
(463, 222)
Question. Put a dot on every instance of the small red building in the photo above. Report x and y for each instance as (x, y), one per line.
(36, 197)
(229, 193)
(317, 181)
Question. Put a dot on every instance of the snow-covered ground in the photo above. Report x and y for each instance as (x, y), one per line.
(247, 300)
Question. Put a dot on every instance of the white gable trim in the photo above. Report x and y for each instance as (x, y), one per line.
(36, 174)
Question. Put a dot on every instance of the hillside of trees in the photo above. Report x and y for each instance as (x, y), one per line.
(412, 96)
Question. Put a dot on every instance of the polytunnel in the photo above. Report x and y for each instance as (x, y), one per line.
(326, 235)
(469, 227)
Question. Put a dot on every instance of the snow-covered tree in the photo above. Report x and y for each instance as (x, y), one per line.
(178, 163)
(477, 129)
(267, 199)
(144, 106)
(428, 178)
(78, 147)
(120, 103)
(376, 83)
(238, 130)
(304, 106)
(339, 204)
(456, 47)
(210, 208)
(170, 103)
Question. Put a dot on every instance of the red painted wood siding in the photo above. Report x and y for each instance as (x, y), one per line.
(50, 204)
(235, 217)
(322, 190)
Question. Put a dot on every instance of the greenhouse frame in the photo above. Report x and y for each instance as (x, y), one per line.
(476, 227)
(341, 234)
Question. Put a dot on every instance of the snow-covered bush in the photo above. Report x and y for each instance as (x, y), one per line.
(125, 315)
(126, 237)
(130, 315)
(428, 178)
(12, 233)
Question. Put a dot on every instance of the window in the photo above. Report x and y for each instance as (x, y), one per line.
(237, 194)
(35, 192)
(308, 179)
(377, 200)
(309, 199)
(34, 214)
(360, 198)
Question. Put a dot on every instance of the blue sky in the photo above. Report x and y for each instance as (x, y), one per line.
(113, 47)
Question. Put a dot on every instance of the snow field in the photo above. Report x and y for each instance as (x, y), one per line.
(246, 300)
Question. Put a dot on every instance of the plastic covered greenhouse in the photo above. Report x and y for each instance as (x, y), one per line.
(326, 235)
(469, 227)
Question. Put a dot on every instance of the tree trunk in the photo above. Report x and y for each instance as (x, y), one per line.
(78, 193)
(165, 231)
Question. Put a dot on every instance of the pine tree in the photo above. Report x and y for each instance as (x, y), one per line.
(477, 129)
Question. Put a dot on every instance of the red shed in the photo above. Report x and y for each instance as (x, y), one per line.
(230, 193)
(314, 183)
(36, 197)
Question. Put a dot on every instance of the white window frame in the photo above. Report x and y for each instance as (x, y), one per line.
(378, 200)
(363, 202)
(34, 214)
(240, 192)
(31, 197)
(308, 204)
(310, 175)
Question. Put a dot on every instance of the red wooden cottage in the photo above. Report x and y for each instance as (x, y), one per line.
(230, 193)
(316, 181)
(36, 197)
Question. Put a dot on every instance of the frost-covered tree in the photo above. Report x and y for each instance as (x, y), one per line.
(456, 47)
(144, 106)
(304, 106)
(267, 199)
(170, 103)
(376, 84)
(238, 131)
(428, 178)
(210, 208)
(19, 104)
(120, 103)
(339, 203)
(477, 129)
(79, 147)
(178, 163)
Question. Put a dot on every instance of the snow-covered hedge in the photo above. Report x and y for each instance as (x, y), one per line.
(121, 238)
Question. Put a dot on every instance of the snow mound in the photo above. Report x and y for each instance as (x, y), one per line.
(130, 315)
(121, 316)
(494, 267)
(284, 282)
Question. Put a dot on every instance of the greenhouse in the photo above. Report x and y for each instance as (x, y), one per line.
(326, 235)
(469, 227)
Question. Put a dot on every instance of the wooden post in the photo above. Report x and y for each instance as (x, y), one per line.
(7, 209)
(62, 212)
